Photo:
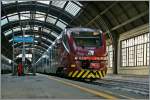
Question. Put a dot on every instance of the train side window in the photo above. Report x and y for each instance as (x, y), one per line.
(66, 42)
(100, 40)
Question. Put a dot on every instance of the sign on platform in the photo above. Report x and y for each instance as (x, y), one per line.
(23, 39)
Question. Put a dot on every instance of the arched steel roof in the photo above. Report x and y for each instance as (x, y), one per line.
(13, 24)
(113, 17)
(53, 10)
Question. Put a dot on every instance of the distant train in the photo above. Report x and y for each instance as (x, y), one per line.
(6, 65)
(81, 54)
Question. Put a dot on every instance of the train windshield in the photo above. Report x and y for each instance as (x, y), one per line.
(87, 39)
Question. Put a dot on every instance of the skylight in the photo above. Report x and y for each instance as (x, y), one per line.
(51, 20)
(8, 32)
(78, 3)
(7, 2)
(59, 4)
(26, 28)
(54, 34)
(13, 18)
(44, 38)
(16, 29)
(50, 40)
(45, 2)
(28, 35)
(24, 12)
(72, 8)
(37, 36)
(63, 22)
(36, 28)
(12, 14)
(39, 17)
(46, 30)
(26, 55)
(41, 13)
(36, 41)
(61, 25)
(4, 21)
(24, 16)
(10, 40)
(21, 1)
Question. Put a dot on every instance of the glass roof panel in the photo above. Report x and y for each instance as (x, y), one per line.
(37, 36)
(59, 4)
(45, 2)
(51, 20)
(60, 24)
(36, 41)
(52, 16)
(7, 32)
(28, 35)
(63, 21)
(3, 17)
(26, 28)
(12, 14)
(72, 8)
(78, 3)
(24, 12)
(21, 1)
(44, 38)
(40, 17)
(13, 18)
(54, 34)
(46, 30)
(26, 55)
(50, 40)
(24, 16)
(4, 21)
(16, 29)
(10, 40)
(36, 28)
(37, 12)
(7, 2)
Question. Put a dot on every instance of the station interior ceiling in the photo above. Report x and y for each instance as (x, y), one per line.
(46, 20)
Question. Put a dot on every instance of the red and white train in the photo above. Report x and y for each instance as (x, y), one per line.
(81, 54)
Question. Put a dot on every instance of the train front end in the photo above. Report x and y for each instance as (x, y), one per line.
(88, 59)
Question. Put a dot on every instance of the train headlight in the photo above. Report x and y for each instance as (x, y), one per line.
(91, 52)
(73, 65)
(76, 58)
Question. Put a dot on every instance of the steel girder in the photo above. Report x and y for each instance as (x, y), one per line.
(36, 6)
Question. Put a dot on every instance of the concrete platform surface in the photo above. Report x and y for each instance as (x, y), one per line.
(38, 87)
(50, 87)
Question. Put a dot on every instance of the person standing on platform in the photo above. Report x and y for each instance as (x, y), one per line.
(20, 69)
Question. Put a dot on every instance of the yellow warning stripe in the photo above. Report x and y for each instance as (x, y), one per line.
(85, 74)
(97, 75)
(74, 73)
(70, 73)
(103, 73)
(100, 74)
(80, 73)
(90, 75)
(92, 91)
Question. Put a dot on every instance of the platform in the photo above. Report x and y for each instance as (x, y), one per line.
(50, 87)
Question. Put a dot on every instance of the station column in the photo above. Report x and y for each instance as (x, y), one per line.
(115, 38)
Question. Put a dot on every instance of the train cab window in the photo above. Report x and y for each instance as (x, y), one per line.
(88, 39)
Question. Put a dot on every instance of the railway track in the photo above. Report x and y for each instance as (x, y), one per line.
(138, 88)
